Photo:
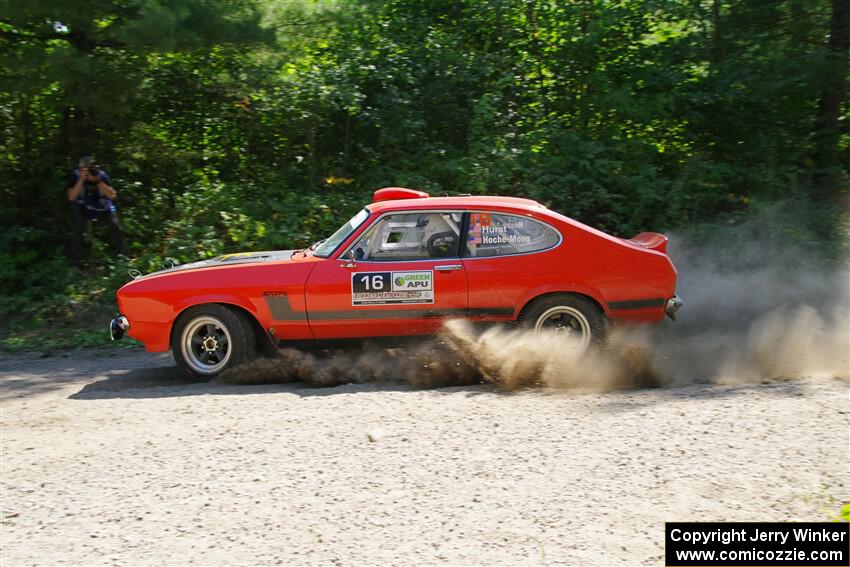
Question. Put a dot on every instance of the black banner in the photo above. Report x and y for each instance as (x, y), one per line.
(693, 544)
(371, 282)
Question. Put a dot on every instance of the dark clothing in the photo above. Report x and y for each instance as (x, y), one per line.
(81, 220)
(90, 197)
(92, 206)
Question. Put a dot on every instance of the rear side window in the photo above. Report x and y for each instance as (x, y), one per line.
(494, 234)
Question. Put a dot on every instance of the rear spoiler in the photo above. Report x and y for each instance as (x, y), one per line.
(650, 240)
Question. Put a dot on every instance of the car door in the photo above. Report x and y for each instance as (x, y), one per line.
(403, 276)
(506, 256)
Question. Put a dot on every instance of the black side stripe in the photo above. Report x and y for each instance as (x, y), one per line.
(387, 314)
(410, 313)
(281, 310)
(493, 311)
(637, 304)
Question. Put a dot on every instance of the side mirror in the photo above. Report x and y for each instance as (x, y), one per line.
(351, 261)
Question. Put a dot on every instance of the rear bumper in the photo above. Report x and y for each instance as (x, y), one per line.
(118, 327)
(672, 306)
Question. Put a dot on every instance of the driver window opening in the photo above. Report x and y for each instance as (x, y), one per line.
(411, 236)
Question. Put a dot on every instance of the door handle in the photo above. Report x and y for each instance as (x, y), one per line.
(448, 268)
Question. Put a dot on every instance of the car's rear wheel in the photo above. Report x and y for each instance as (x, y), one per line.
(577, 318)
(209, 339)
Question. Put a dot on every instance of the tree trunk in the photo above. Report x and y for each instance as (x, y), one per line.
(311, 154)
(537, 52)
(716, 37)
(23, 166)
(800, 25)
(828, 174)
(585, 69)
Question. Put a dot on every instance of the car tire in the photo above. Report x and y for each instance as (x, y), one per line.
(575, 315)
(208, 339)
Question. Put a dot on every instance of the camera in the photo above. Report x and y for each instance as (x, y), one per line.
(94, 170)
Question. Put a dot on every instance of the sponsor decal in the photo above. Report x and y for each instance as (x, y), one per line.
(508, 230)
(476, 225)
(392, 288)
(481, 219)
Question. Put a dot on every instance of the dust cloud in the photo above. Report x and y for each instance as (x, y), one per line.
(508, 357)
(756, 310)
(514, 358)
(433, 364)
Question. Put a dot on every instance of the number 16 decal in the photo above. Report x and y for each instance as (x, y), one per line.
(370, 281)
(389, 288)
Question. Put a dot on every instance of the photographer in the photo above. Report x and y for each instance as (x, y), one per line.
(92, 195)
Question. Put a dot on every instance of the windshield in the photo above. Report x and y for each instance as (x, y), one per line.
(328, 246)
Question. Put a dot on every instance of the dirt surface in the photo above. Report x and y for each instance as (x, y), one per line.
(110, 457)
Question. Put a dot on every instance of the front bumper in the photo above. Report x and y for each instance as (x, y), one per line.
(672, 306)
(118, 327)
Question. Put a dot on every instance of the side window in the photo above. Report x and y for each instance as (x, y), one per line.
(492, 234)
(411, 236)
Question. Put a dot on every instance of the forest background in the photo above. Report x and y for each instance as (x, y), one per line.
(232, 125)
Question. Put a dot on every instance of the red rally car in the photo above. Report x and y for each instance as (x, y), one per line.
(399, 268)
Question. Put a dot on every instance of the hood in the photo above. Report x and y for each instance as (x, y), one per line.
(230, 260)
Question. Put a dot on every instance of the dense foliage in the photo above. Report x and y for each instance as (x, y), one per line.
(250, 124)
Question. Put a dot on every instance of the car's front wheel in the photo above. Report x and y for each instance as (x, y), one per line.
(209, 339)
(575, 317)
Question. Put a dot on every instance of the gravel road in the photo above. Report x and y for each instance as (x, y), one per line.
(108, 457)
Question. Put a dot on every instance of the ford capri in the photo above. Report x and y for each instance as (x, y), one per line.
(401, 267)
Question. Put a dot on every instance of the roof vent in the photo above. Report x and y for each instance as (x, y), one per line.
(393, 193)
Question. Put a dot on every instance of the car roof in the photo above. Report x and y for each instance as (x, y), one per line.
(464, 202)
